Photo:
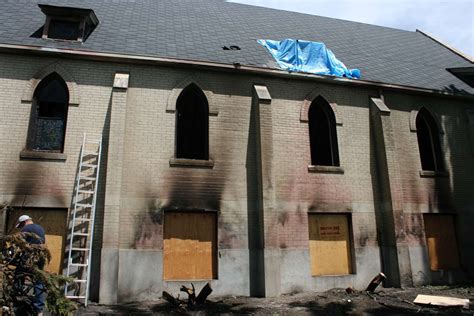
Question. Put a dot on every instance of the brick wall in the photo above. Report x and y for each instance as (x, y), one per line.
(150, 186)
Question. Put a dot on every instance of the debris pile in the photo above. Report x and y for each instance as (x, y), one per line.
(193, 301)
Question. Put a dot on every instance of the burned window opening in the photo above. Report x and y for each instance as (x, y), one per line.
(63, 29)
(322, 134)
(49, 115)
(428, 142)
(192, 124)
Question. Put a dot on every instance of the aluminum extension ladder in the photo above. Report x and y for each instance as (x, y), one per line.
(82, 224)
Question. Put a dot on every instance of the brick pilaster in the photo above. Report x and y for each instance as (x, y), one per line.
(389, 215)
(113, 190)
(261, 102)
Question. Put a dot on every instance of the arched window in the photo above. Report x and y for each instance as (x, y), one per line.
(322, 134)
(49, 115)
(192, 124)
(428, 141)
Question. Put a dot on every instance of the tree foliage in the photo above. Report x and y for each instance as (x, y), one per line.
(19, 271)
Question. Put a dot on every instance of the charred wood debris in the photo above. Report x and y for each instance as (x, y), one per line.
(193, 302)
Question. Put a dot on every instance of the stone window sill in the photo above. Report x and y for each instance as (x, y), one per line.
(191, 163)
(325, 169)
(433, 174)
(332, 275)
(188, 280)
(42, 155)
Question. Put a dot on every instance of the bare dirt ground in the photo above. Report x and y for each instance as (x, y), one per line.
(386, 301)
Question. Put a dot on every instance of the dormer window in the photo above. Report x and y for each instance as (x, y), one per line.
(60, 29)
(466, 74)
(67, 23)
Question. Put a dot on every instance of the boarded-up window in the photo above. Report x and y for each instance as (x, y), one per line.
(441, 241)
(329, 244)
(190, 246)
(54, 222)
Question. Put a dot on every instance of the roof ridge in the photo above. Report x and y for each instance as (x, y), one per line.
(320, 16)
(449, 47)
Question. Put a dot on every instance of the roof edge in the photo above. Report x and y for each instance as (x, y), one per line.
(452, 49)
(92, 55)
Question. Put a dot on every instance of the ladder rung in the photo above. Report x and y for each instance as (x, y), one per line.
(83, 219)
(80, 249)
(88, 165)
(74, 296)
(86, 185)
(93, 141)
(84, 205)
(79, 281)
(81, 234)
(86, 191)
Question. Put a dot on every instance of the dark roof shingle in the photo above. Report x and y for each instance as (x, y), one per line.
(197, 30)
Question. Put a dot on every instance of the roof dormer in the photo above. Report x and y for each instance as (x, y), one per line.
(68, 23)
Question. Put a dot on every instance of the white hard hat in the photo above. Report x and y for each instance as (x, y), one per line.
(21, 219)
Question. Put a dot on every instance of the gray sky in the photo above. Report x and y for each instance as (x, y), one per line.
(451, 21)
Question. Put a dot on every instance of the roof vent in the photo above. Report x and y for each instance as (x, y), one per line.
(68, 23)
(232, 47)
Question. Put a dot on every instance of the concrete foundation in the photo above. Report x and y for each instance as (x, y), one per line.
(140, 276)
(296, 269)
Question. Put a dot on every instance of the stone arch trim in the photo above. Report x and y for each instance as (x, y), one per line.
(29, 90)
(414, 114)
(176, 91)
(304, 109)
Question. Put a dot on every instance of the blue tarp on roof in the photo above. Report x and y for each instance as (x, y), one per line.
(306, 56)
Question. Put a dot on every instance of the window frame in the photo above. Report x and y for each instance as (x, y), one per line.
(33, 124)
(168, 215)
(47, 26)
(330, 118)
(85, 17)
(179, 110)
(352, 267)
(438, 259)
(430, 123)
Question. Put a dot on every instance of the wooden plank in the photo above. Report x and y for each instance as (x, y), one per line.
(329, 243)
(54, 223)
(441, 241)
(189, 246)
(441, 301)
(55, 244)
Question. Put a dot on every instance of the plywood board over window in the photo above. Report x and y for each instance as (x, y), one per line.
(441, 241)
(54, 222)
(329, 244)
(190, 246)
